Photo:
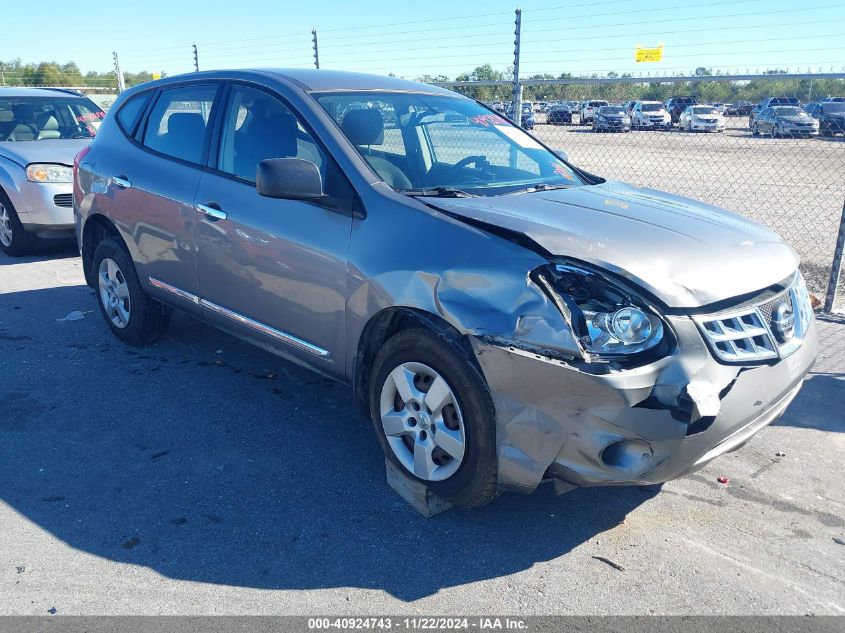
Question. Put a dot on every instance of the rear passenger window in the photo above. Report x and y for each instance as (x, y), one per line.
(128, 114)
(176, 126)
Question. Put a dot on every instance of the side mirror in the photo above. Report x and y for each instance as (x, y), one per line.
(289, 178)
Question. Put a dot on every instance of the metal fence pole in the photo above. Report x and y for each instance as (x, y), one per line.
(516, 97)
(196, 59)
(316, 48)
(121, 82)
(836, 266)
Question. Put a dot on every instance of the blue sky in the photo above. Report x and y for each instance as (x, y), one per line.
(440, 36)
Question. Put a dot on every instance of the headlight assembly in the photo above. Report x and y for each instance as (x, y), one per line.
(47, 173)
(609, 322)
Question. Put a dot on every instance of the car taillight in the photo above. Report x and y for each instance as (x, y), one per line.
(78, 159)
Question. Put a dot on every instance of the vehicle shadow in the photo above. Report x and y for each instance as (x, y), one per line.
(45, 250)
(208, 460)
(812, 407)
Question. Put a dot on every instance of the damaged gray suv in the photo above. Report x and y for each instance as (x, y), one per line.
(503, 317)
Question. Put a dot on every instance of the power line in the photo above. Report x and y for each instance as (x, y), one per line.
(637, 11)
(698, 17)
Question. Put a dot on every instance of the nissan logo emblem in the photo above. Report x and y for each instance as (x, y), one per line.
(783, 322)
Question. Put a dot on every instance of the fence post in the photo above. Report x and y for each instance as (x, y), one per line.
(196, 60)
(516, 97)
(121, 82)
(836, 266)
(316, 48)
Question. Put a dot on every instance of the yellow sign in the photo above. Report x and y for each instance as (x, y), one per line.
(648, 54)
(156, 76)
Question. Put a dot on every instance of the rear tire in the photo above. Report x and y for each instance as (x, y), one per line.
(413, 372)
(133, 316)
(15, 240)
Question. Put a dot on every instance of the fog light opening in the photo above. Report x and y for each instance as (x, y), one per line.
(630, 456)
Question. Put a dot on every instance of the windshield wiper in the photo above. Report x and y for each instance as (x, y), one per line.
(437, 192)
(540, 186)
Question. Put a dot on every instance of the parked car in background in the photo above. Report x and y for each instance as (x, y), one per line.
(784, 120)
(527, 118)
(650, 115)
(721, 107)
(771, 102)
(833, 100)
(676, 105)
(498, 106)
(41, 130)
(830, 115)
(588, 108)
(740, 108)
(611, 119)
(541, 338)
(559, 115)
(701, 118)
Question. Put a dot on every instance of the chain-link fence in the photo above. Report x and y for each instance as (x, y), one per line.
(772, 164)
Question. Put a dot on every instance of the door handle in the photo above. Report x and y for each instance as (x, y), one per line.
(122, 182)
(212, 210)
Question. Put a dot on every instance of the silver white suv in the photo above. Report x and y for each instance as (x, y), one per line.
(41, 130)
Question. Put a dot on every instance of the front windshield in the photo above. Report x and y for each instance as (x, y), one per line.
(834, 107)
(704, 110)
(611, 110)
(651, 107)
(45, 118)
(422, 142)
(788, 111)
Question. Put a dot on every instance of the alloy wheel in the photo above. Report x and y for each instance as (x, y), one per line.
(114, 293)
(5, 226)
(422, 422)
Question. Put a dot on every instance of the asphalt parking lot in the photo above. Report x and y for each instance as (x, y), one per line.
(204, 476)
(796, 186)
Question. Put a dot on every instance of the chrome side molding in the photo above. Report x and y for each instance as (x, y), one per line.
(182, 294)
(263, 328)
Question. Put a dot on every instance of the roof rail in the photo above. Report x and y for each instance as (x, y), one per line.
(67, 90)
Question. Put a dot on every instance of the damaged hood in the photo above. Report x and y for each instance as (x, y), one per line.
(686, 253)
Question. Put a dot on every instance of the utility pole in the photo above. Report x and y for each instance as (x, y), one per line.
(516, 95)
(196, 60)
(121, 82)
(316, 48)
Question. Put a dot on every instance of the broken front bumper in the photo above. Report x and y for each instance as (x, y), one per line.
(635, 426)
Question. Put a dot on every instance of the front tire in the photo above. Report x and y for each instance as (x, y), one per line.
(132, 315)
(434, 416)
(15, 240)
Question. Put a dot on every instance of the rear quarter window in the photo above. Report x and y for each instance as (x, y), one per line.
(130, 112)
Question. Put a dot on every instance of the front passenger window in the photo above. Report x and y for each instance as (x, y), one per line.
(177, 123)
(258, 126)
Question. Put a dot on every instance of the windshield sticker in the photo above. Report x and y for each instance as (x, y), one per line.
(519, 137)
(563, 171)
(487, 120)
(90, 116)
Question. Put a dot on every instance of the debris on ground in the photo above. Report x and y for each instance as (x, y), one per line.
(52, 611)
(607, 561)
(131, 542)
(722, 480)
(76, 315)
(838, 541)
(780, 454)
